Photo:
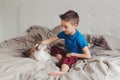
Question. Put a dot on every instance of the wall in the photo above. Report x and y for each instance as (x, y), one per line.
(1, 24)
(9, 19)
(96, 16)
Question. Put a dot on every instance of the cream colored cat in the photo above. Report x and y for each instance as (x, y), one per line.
(40, 53)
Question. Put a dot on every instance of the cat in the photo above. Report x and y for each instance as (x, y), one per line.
(40, 53)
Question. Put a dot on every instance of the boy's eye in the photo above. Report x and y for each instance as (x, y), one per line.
(64, 26)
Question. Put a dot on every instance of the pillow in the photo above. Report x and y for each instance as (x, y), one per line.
(104, 41)
(95, 40)
(54, 31)
(38, 32)
(113, 42)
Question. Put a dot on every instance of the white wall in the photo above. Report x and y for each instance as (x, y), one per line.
(96, 16)
(9, 19)
(1, 24)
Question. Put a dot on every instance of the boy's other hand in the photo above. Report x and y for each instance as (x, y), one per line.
(70, 54)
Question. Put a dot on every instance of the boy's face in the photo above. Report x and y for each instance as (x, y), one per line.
(68, 27)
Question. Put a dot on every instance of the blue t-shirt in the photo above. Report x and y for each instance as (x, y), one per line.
(73, 43)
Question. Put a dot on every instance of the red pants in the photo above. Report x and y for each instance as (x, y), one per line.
(65, 60)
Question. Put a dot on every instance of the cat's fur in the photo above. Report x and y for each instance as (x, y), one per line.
(40, 53)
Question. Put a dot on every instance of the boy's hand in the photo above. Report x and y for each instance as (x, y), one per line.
(70, 54)
(31, 51)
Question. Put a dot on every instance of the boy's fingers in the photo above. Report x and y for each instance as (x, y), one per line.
(68, 55)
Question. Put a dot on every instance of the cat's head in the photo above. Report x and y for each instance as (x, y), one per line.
(42, 46)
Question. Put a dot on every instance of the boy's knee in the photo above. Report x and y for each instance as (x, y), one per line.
(59, 56)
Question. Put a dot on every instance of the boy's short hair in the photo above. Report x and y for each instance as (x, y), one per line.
(70, 16)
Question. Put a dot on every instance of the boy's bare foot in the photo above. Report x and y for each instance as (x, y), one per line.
(56, 73)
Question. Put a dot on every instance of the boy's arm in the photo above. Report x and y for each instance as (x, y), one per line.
(85, 54)
(49, 40)
(43, 42)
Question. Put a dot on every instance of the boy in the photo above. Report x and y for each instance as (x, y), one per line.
(75, 42)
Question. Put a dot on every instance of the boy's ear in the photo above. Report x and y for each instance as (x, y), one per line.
(76, 25)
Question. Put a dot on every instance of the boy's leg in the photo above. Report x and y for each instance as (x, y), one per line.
(59, 56)
(56, 50)
(59, 53)
(70, 60)
(64, 70)
(67, 63)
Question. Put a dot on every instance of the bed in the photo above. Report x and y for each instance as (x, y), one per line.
(104, 64)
